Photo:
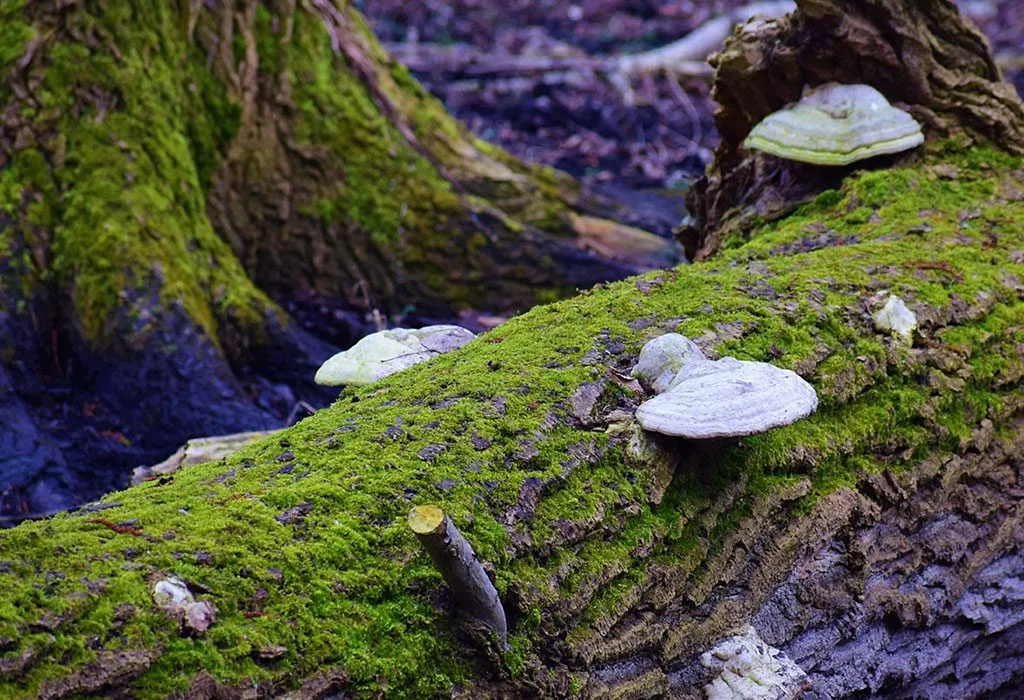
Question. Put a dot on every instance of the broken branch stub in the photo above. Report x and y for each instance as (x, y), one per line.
(454, 557)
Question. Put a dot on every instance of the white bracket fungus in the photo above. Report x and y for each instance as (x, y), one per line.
(725, 398)
(896, 318)
(836, 124)
(750, 669)
(662, 358)
(381, 354)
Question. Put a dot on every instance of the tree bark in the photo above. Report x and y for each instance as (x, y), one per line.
(877, 543)
(172, 174)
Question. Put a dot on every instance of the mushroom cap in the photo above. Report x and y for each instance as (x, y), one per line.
(442, 339)
(896, 318)
(662, 359)
(728, 398)
(386, 352)
(835, 124)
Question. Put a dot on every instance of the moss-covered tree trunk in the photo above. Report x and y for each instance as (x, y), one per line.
(170, 170)
(877, 543)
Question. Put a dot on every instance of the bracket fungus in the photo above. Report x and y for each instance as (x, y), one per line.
(726, 398)
(386, 352)
(836, 124)
(662, 358)
(896, 318)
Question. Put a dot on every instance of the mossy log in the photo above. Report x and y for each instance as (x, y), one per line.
(885, 528)
(172, 172)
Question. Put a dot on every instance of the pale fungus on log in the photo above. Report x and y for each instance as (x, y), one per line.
(476, 597)
(708, 399)
(381, 354)
(172, 595)
(750, 669)
(662, 358)
(835, 124)
(896, 318)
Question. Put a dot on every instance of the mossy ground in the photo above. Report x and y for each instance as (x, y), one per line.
(345, 584)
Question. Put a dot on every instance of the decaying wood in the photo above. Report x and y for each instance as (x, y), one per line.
(198, 451)
(685, 57)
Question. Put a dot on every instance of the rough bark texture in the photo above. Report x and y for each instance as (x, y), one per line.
(920, 55)
(171, 171)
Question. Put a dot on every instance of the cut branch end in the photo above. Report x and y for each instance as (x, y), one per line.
(475, 595)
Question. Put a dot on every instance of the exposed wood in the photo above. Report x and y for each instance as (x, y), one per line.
(475, 595)
(199, 450)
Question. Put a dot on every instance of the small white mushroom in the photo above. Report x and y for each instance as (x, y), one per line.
(728, 398)
(896, 318)
(381, 354)
(173, 596)
(836, 124)
(662, 358)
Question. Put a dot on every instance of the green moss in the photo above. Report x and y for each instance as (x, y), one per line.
(15, 34)
(347, 585)
(123, 187)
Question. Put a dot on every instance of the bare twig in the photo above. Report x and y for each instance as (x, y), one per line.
(467, 61)
(686, 57)
(1010, 62)
(454, 558)
(696, 46)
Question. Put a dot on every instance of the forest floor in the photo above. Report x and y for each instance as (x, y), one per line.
(581, 123)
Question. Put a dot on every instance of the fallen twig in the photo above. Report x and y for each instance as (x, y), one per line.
(686, 57)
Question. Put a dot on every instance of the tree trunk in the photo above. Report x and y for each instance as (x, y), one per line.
(877, 543)
(171, 172)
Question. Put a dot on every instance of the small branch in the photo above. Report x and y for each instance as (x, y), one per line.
(1008, 62)
(122, 529)
(679, 56)
(454, 558)
(467, 61)
(686, 57)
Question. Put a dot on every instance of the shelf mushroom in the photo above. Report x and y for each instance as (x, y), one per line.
(662, 359)
(727, 398)
(386, 352)
(835, 124)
